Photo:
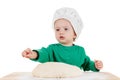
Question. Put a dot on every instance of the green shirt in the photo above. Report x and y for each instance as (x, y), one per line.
(74, 55)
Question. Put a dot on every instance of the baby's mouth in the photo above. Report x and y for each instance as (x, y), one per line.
(62, 37)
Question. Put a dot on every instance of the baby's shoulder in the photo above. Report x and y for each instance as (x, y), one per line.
(53, 45)
(79, 46)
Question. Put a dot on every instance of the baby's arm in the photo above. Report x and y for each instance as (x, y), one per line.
(89, 65)
(28, 53)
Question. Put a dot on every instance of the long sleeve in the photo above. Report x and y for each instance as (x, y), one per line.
(89, 65)
(43, 55)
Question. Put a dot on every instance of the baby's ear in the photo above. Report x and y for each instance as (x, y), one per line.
(75, 36)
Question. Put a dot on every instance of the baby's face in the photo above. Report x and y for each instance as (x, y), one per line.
(64, 32)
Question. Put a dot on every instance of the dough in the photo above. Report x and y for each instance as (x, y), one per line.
(56, 70)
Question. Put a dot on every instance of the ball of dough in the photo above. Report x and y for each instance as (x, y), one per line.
(56, 70)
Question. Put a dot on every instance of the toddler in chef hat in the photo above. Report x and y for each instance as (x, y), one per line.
(72, 16)
(67, 25)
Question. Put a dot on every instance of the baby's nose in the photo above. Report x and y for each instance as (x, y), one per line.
(61, 31)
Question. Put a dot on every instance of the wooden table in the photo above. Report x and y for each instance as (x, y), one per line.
(84, 76)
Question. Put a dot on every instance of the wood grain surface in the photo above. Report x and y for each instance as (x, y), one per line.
(84, 76)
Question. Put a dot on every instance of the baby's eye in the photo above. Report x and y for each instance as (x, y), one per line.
(66, 29)
(57, 29)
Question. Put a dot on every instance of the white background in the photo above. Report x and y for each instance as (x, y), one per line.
(28, 23)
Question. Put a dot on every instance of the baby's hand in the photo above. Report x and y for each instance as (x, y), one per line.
(98, 64)
(28, 53)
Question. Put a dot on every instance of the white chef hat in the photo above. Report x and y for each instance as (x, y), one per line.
(71, 15)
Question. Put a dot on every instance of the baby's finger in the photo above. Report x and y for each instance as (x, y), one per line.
(99, 66)
(27, 56)
(98, 62)
(28, 50)
(23, 53)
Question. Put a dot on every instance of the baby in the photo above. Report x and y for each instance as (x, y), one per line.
(67, 25)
